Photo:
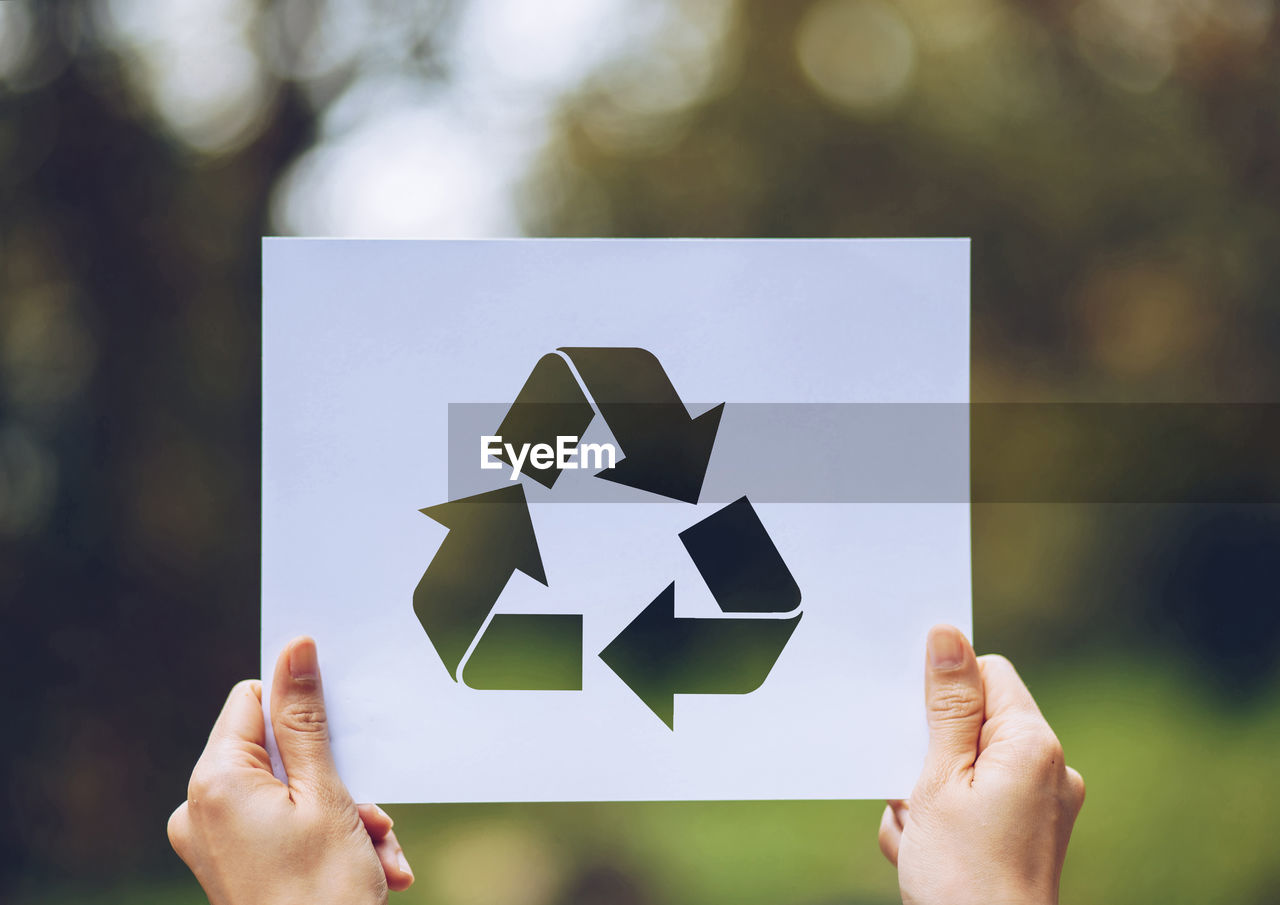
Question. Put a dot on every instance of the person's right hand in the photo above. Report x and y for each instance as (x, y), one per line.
(989, 819)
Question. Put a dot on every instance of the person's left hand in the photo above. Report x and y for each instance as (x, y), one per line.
(252, 840)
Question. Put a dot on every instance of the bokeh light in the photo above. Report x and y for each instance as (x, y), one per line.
(194, 64)
(15, 36)
(858, 53)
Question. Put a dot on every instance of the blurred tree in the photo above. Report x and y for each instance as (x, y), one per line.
(130, 591)
(1118, 169)
(130, 412)
(1121, 234)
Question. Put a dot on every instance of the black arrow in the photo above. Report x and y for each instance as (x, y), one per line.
(739, 562)
(660, 656)
(549, 405)
(528, 652)
(666, 451)
(490, 536)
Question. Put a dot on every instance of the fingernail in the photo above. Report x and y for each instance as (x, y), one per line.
(304, 665)
(946, 650)
(383, 813)
(404, 863)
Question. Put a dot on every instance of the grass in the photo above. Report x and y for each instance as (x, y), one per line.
(1181, 809)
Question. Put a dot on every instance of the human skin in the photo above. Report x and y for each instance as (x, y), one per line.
(253, 840)
(989, 818)
(988, 821)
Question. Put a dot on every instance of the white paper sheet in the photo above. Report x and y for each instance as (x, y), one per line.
(365, 346)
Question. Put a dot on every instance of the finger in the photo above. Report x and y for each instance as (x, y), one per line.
(954, 699)
(377, 822)
(179, 829)
(394, 863)
(237, 740)
(1010, 712)
(241, 716)
(900, 808)
(1003, 689)
(890, 835)
(299, 721)
(1075, 782)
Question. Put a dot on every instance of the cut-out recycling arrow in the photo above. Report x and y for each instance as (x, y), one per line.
(666, 452)
(549, 405)
(659, 655)
(490, 537)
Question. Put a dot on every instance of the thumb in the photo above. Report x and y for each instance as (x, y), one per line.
(298, 719)
(954, 699)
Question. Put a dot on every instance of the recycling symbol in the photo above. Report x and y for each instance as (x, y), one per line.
(665, 452)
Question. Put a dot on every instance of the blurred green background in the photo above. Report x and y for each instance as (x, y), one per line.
(1116, 162)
